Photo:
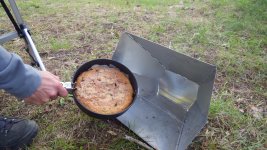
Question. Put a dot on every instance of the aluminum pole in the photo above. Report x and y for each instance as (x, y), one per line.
(16, 12)
(33, 48)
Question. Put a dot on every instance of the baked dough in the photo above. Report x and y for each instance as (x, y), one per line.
(104, 90)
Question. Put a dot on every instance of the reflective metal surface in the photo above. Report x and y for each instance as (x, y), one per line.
(174, 93)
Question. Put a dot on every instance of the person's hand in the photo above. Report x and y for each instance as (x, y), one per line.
(50, 88)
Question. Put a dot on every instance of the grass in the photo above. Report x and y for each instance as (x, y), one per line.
(229, 34)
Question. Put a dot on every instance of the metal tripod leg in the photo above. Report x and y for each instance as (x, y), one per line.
(16, 12)
(8, 37)
(21, 29)
(16, 21)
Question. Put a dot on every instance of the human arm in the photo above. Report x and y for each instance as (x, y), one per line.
(25, 82)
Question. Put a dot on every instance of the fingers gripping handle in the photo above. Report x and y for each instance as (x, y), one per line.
(68, 86)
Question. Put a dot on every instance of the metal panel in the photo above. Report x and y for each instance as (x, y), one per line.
(174, 93)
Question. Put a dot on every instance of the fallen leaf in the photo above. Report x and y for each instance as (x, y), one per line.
(112, 133)
(227, 133)
(256, 112)
(241, 110)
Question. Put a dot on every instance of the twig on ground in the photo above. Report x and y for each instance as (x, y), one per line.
(131, 139)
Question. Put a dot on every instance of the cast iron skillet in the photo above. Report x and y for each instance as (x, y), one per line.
(107, 62)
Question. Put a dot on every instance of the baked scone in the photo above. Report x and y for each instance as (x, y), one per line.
(104, 90)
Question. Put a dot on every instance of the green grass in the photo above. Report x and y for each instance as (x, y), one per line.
(57, 45)
(235, 127)
(230, 34)
(132, 3)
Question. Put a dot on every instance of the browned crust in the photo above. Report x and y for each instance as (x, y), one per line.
(104, 90)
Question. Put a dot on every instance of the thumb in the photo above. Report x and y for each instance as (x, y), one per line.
(62, 91)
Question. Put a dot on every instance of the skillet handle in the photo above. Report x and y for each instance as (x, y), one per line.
(68, 86)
